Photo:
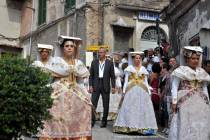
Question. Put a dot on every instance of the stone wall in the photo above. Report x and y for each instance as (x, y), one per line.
(92, 25)
(47, 36)
(81, 31)
(73, 24)
(55, 10)
(190, 23)
(26, 18)
(112, 15)
(10, 13)
(186, 21)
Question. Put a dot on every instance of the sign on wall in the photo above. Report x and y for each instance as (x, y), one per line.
(148, 15)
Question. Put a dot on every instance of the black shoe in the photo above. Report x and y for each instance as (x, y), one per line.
(92, 124)
(103, 124)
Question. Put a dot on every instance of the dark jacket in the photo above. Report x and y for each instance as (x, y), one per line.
(108, 74)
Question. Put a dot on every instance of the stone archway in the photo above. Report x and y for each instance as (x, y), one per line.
(150, 34)
(149, 37)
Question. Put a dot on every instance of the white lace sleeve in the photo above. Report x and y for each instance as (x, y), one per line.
(37, 64)
(147, 84)
(205, 89)
(174, 90)
(81, 70)
(126, 82)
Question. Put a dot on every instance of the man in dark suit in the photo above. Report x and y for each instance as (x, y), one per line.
(101, 71)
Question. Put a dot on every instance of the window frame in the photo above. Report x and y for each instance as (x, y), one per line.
(69, 5)
(42, 11)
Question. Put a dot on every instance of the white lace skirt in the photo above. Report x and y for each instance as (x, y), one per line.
(136, 113)
(113, 107)
(192, 121)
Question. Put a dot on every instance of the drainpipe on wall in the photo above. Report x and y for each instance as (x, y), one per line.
(31, 29)
(101, 7)
(75, 23)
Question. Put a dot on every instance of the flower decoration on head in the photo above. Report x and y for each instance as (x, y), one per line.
(189, 50)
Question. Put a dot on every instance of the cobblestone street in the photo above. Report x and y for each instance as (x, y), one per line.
(107, 134)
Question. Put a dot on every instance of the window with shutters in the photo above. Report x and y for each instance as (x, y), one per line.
(42, 12)
(69, 4)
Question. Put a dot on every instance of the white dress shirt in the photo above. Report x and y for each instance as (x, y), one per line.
(101, 68)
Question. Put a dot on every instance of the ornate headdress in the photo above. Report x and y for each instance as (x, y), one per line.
(62, 39)
(187, 52)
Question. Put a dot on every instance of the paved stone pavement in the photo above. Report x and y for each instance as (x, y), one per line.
(107, 134)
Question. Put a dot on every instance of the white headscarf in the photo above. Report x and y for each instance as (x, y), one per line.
(43, 46)
(134, 54)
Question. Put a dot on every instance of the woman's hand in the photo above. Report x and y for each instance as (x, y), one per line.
(90, 89)
(113, 90)
(174, 108)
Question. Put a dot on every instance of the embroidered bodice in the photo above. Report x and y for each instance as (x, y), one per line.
(185, 78)
(190, 85)
(135, 77)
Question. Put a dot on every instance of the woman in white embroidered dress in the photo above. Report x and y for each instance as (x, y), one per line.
(190, 101)
(136, 113)
(71, 111)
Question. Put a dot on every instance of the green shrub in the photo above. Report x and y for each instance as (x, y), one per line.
(24, 97)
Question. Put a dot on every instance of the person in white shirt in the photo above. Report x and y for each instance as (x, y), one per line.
(150, 59)
(115, 97)
(101, 75)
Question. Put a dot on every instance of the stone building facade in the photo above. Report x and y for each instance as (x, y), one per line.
(118, 24)
(189, 24)
(80, 20)
(125, 26)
